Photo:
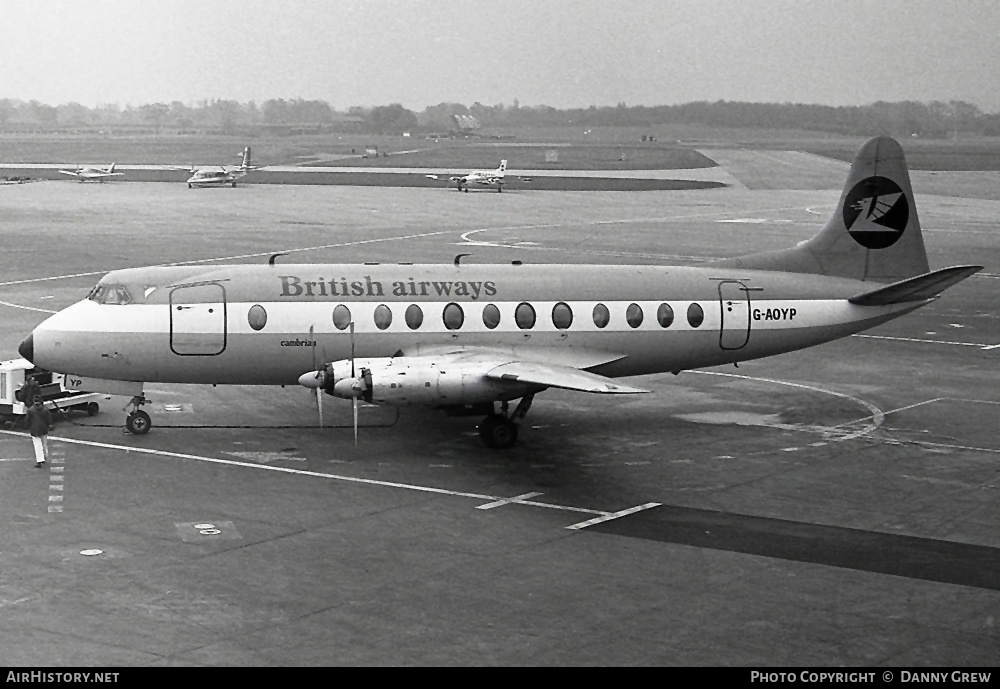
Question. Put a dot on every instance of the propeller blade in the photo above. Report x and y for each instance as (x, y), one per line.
(354, 402)
(352, 349)
(316, 391)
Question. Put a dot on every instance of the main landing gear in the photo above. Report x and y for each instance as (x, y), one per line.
(499, 431)
(138, 421)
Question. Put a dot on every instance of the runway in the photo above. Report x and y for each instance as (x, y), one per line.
(834, 506)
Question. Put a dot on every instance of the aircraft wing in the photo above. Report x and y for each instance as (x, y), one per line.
(556, 376)
(544, 366)
(451, 178)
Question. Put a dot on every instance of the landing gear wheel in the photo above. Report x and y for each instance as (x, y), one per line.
(498, 432)
(93, 408)
(138, 422)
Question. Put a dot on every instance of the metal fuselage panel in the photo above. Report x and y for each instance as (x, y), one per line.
(270, 324)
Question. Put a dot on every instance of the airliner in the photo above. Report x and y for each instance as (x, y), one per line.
(473, 339)
(486, 178)
(93, 174)
(219, 175)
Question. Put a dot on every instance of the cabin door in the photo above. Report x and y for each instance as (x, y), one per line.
(734, 299)
(198, 319)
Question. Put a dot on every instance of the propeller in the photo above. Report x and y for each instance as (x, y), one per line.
(329, 377)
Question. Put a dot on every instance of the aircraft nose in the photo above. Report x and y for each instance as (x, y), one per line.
(27, 348)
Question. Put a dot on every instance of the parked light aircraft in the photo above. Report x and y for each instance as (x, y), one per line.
(486, 178)
(93, 174)
(466, 338)
(219, 175)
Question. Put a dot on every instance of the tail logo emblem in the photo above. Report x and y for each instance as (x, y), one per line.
(876, 212)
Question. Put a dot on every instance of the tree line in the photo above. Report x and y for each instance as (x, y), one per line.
(935, 119)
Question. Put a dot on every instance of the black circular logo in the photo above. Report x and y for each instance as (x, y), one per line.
(876, 212)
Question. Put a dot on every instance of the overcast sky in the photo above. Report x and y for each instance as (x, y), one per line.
(562, 53)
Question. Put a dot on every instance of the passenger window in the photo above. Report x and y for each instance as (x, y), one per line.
(257, 317)
(414, 317)
(562, 315)
(601, 316)
(491, 316)
(696, 315)
(453, 316)
(665, 315)
(342, 317)
(524, 316)
(633, 315)
(383, 317)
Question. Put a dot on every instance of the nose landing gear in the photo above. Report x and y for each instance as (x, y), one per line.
(138, 421)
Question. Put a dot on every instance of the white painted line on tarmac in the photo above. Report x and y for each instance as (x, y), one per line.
(233, 258)
(613, 515)
(333, 477)
(877, 416)
(957, 447)
(920, 404)
(980, 345)
(26, 308)
(913, 406)
(506, 501)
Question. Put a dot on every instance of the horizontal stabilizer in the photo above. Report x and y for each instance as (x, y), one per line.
(920, 288)
(556, 376)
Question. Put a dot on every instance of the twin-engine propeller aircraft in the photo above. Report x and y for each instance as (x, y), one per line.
(486, 178)
(219, 175)
(93, 174)
(467, 338)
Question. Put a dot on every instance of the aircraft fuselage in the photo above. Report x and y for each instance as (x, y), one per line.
(267, 325)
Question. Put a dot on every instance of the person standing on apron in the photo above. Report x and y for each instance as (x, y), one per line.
(39, 422)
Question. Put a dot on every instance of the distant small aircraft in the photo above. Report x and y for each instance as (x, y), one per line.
(486, 178)
(93, 174)
(219, 175)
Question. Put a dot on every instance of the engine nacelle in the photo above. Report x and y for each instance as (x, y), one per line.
(417, 380)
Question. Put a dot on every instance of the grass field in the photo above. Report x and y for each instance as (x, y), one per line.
(556, 148)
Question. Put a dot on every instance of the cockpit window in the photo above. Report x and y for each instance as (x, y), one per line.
(110, 294)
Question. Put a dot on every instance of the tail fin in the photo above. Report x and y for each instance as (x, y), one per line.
(874, 233)
(246, 158)
(502, 168)
(112, 168)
